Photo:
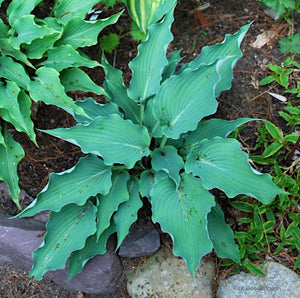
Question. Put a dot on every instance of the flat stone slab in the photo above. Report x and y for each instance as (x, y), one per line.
(279, 282)
(164, 275)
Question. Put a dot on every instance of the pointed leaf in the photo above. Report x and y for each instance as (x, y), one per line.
(115, 87)
(127, 211)
(115, 139)
(15, 108)
(146, 183)
(208, 129)
(94, 109)
(167, 159)
(46, 87)
(87, 178)
(92, 248)
(183, 213)
(183, 100)
(28, 30)
(66, 56)
(13, 71)
(18, 9)
(67, 231)
(81, 33)
(148, 65)
(221, 235)
(65, 10)
(11, 153)
(222, 164)
(151, 122)
(109, 203)
(76, 79)
(170, 68)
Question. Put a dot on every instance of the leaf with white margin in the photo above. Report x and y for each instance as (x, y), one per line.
(94, 109)
(92, 248)
(221, 235)
(167, 159)
(76, 79)
(183, 100)
(11, 153)
(65, 10)
(66, 56)
(221, 163)
(46, 87)
(109, 203)
(67, 231)
(182, 212)
(148, 65)
(82, 33)
(208, 129)
(126, 214)
(89, 177)
(111, 137)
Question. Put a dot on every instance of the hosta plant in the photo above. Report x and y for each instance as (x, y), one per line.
(151, 140)
(39, 61)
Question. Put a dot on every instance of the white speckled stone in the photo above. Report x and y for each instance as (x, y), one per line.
(279, 282)
(164, 275)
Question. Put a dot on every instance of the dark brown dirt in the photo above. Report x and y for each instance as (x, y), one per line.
(191, 32)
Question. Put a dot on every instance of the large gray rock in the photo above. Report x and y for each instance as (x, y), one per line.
(164, 275)
(279, 282)
(142, 240)
(100, 275)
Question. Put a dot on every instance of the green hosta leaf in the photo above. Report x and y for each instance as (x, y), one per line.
(17, 9)
(11, 153)
(222, 164)
(28, 30)
(92, 248)
(151, 122)
(109, 43)
(208, 129)
(127, 211)
(94, 109)
(66, 56)
(6, 49)
(146, 183)
(167, 159)
(76, 79)
(13, 71)
(81, 33)
(67, 231)
(117, 91)
(147, 12)
(15, 108)
(221, 235)
(183, 213)
(148, 65)
(65, 10)
(115, 139)
(228, 47)
(170, 68)
(109, 203)
(39, 46)
(183, 100)
(89, 177)
(3, 30)
(46, 87)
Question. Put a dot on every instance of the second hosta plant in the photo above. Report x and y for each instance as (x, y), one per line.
(151, 140)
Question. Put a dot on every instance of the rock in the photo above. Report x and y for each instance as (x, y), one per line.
(100, 275)
(142, 240)
(164, 275)
(279, 281)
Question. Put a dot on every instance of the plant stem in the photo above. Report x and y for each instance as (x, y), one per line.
(163, 142)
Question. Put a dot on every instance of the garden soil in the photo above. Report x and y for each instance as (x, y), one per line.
(192, 29)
